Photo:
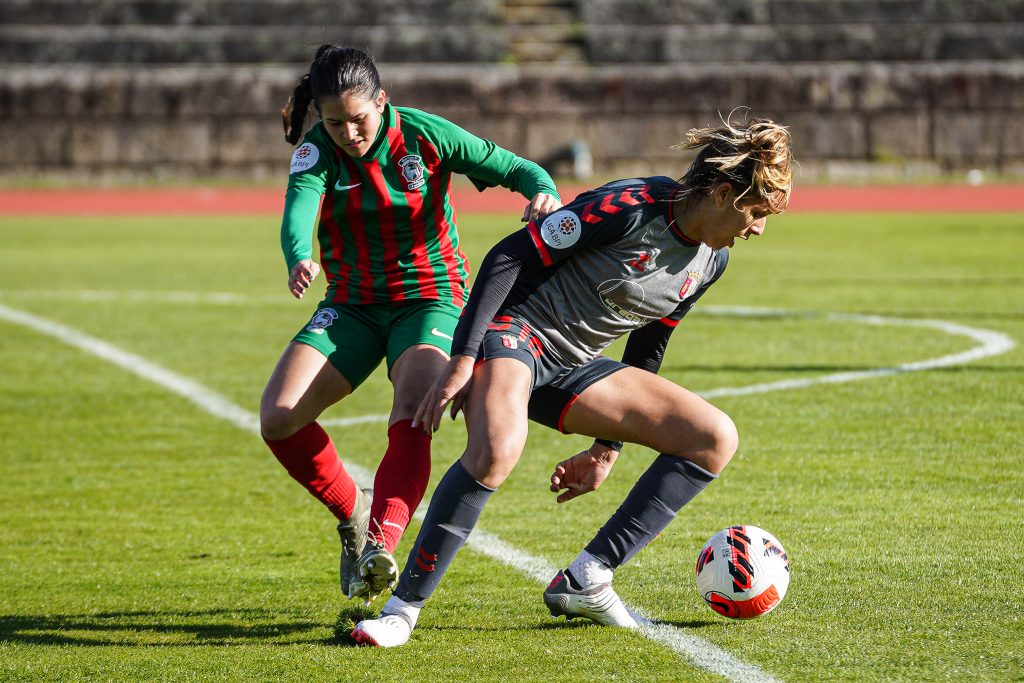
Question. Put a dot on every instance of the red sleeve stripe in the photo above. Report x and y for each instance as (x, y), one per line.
(668, 322)
(545, 257)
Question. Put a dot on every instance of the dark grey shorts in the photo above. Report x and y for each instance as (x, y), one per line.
(554, 387)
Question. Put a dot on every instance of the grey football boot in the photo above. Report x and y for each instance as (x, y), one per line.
(598, 603)
(352, 532)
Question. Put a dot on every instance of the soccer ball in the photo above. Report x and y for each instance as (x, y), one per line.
(743, 572)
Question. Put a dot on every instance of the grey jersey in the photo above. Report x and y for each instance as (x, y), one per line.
(615, 262)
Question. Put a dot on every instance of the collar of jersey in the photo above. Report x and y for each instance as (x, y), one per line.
(387, 121)
(670, 218)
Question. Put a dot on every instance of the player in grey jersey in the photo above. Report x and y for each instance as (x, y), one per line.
(631, 257)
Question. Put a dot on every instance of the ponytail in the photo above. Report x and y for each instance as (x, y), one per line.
(293, 115)
(753, 155)
(335, 72)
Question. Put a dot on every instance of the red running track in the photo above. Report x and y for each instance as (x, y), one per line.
(221, 201)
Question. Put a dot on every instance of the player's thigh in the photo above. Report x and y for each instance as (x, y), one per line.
(412, 375)
(418, 347)
(328, 358)
(301, 387)
(496, 419)
(640, 407)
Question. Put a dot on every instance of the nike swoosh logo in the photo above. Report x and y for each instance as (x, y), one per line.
(339, 187)
(438, 333)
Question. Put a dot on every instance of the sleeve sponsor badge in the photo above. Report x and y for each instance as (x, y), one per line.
(305, 157)
(561, 229)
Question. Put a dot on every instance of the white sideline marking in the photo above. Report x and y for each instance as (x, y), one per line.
(700, 652)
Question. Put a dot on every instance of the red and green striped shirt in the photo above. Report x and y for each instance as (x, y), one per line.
(387, 227)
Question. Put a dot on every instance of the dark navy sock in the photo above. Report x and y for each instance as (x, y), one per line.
(453, 512)
(667, 485)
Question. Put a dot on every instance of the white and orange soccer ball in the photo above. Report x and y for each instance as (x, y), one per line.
(743, 572)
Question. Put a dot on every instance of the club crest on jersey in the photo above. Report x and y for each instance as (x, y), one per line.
(693, 279)
(561, 229)
(322, 320)
(509, 341)
(305, 157)
(413, 171)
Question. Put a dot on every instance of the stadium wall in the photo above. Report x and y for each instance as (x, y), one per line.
(157, 90)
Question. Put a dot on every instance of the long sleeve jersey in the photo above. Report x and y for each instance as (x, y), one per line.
(387, 228)
(610, 263)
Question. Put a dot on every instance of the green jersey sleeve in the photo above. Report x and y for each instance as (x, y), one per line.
(482, 161)
(306, 184)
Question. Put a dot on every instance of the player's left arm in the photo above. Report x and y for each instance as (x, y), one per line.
(489, 165)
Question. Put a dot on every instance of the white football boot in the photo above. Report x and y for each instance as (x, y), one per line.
(391, 629)
(599, 603)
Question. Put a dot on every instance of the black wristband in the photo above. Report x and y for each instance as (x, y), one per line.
(614, 445)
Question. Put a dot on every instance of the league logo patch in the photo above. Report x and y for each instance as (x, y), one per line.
(509, 341)
(693, 279)
(413, 171)
(305, 157)
(561, 229)
(322, 320)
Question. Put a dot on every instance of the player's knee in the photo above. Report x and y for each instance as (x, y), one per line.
(278, 422)
(724, 440)
(490, 465)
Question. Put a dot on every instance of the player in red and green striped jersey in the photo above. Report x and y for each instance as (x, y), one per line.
(396, 284)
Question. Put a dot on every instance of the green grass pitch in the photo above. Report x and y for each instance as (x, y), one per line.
(142, 538)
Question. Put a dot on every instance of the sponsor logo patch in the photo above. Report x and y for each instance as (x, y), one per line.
(624, 298)
(509, 342)
(305, 157)
(693, 279)
(413, 171)
(322, 320)
(561, 229)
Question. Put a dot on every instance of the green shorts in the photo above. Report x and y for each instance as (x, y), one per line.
(356, 337)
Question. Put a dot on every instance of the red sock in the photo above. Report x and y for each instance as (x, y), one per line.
(400, 483)
(310, 457)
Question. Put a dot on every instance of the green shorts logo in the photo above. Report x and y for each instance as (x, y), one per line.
(322, 320)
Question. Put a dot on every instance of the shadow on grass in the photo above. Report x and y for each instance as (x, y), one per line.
(174, 629)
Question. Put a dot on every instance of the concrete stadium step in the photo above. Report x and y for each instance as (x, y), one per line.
(659, 12)
(244, 12)
(244, 44)
(607, 44)
(545, 31)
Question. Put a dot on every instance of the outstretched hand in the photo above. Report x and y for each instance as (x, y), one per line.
(451, 386)
(301, 276)
(583, 472)
(541, 205)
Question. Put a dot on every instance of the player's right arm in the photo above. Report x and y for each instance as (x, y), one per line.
(307, 182)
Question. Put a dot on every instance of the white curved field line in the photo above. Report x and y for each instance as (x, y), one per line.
(698, 651)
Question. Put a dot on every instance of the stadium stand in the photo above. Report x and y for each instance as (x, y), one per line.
(156, 89)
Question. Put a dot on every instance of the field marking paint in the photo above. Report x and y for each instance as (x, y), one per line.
(990, 344)
(206, 399)
(698, 651)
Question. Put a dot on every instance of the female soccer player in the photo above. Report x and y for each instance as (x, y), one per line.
(396, 283)
(631, 257)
